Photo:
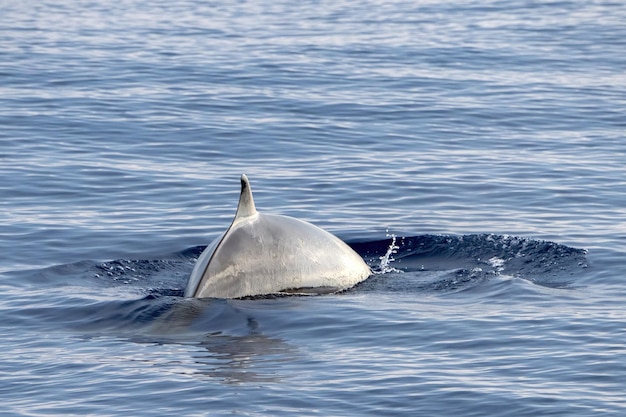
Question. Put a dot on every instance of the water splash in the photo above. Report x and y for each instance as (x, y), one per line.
(497, 264)
(387, 258)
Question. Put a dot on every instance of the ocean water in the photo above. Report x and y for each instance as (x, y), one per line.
(473, 152)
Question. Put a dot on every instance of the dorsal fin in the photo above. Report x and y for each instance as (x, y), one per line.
(246, 206)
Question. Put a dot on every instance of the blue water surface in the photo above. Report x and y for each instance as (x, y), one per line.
(472, 152)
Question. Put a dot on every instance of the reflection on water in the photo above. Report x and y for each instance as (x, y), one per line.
(233, 349)
(250, 358)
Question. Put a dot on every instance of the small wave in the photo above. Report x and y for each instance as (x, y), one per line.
(465, 257)
(447, 262)
(139, 294)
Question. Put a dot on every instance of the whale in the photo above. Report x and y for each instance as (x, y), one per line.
(265, 254)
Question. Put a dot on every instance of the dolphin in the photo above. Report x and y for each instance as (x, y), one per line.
(261, 254)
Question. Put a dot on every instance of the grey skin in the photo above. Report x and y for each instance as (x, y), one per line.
(266, 254)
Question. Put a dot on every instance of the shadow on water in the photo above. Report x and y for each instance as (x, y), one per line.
(141, 300)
